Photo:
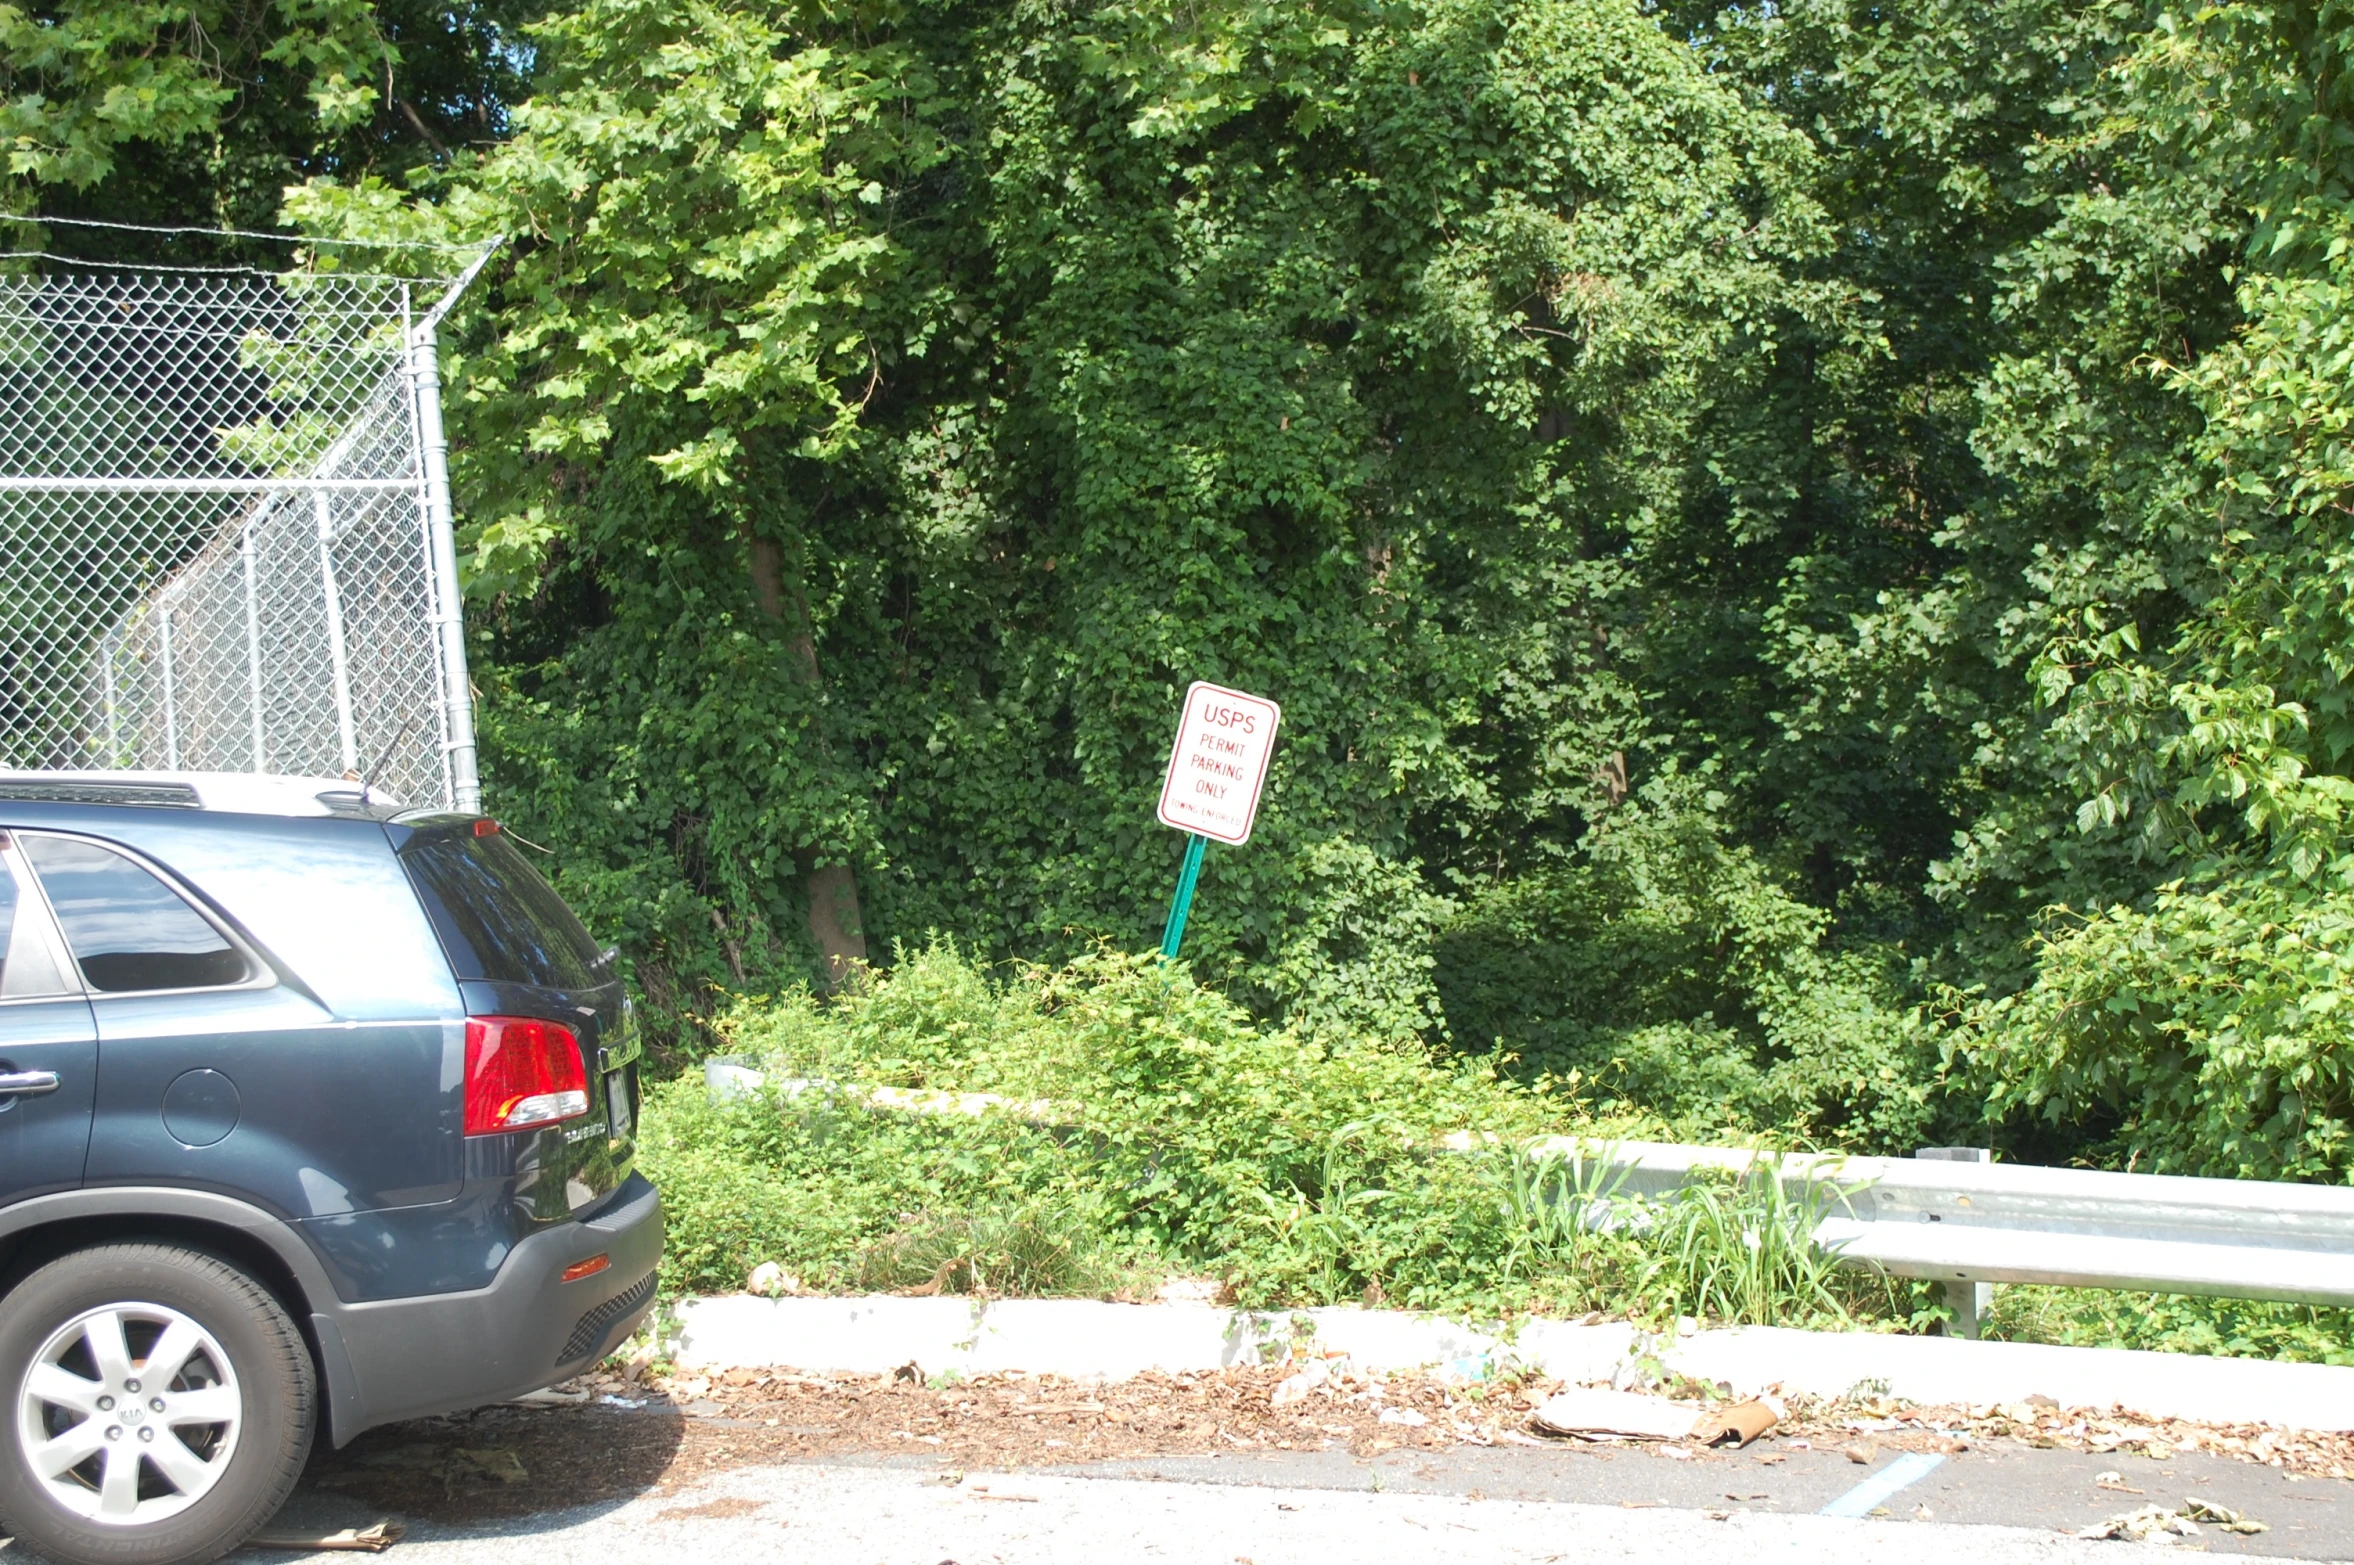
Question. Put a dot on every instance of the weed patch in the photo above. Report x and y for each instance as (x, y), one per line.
(2173, 1323)
(1036, 1252)
(1092, 1128)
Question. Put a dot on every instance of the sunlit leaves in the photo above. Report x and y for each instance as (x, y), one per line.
(1065, 356)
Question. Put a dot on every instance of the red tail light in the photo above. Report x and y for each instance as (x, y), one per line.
(521, 1072)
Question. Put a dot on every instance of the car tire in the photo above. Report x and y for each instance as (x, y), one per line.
(103, 1464)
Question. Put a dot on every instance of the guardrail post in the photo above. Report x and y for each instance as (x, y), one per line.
(1966, 1301)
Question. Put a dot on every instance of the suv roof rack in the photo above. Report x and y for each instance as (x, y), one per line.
(41, 790)
(239, 793)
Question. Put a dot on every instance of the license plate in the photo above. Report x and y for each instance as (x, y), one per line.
(617, 1103)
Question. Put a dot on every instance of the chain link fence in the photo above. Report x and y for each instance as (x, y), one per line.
(225, 529)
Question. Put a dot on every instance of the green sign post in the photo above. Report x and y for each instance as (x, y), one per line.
(1216, 771)
(1174, 930)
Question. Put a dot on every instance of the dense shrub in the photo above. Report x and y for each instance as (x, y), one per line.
(1138, 1124)
(1144, 1107)
(1665, 967)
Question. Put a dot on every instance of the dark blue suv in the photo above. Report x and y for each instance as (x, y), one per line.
(314, 1114)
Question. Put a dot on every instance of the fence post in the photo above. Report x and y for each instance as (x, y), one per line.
(338, 663)
(253, 644)
(111, 646)
(448, 618)
(171, 711)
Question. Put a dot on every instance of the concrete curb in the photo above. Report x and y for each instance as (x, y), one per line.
(1087, 1340)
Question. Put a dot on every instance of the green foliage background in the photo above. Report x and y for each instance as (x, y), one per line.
(1803, 547)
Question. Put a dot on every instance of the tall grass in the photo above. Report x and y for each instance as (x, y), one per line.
(1741, 1248)
(1178, 1136)
(1562, 1211)
(1183, 1137)
(1736, 1248)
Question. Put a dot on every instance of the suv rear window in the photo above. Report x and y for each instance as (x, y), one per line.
(497, 919)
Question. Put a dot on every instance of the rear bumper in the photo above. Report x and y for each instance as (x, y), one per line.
(410, 1358)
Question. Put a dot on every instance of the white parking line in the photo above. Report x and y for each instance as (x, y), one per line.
(1876, 1490)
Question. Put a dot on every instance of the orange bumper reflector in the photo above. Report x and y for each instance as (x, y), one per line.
(588, 1268)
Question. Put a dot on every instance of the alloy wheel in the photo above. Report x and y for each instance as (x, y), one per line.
(129, 1414)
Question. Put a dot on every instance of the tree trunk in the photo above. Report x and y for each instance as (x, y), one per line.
(834, 920)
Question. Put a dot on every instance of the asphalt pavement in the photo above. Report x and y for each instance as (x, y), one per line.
(2005, 1485)
(1997, 1503)
(1262, 1512)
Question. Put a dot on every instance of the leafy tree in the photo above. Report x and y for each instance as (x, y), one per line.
(167, 113)
(2201, 1023)
(881, 424)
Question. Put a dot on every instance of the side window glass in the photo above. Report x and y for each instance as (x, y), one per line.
(8, 901)
(26, 966)
(128, 930)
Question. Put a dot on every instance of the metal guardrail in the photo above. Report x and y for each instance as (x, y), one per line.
(1970, 1223)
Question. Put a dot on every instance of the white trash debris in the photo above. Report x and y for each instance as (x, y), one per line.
(1593, 1413)
(1297, 1388)
(729, 1080)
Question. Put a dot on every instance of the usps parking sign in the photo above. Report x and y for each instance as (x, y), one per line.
(1219, 764)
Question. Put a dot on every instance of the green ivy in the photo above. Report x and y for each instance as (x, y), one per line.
(1062, 358)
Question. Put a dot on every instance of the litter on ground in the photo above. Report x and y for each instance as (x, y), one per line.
(360, 1540)
(2157, 1524)
(1593, 1412)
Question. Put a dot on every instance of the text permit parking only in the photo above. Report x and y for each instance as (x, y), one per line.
(1219, 763)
